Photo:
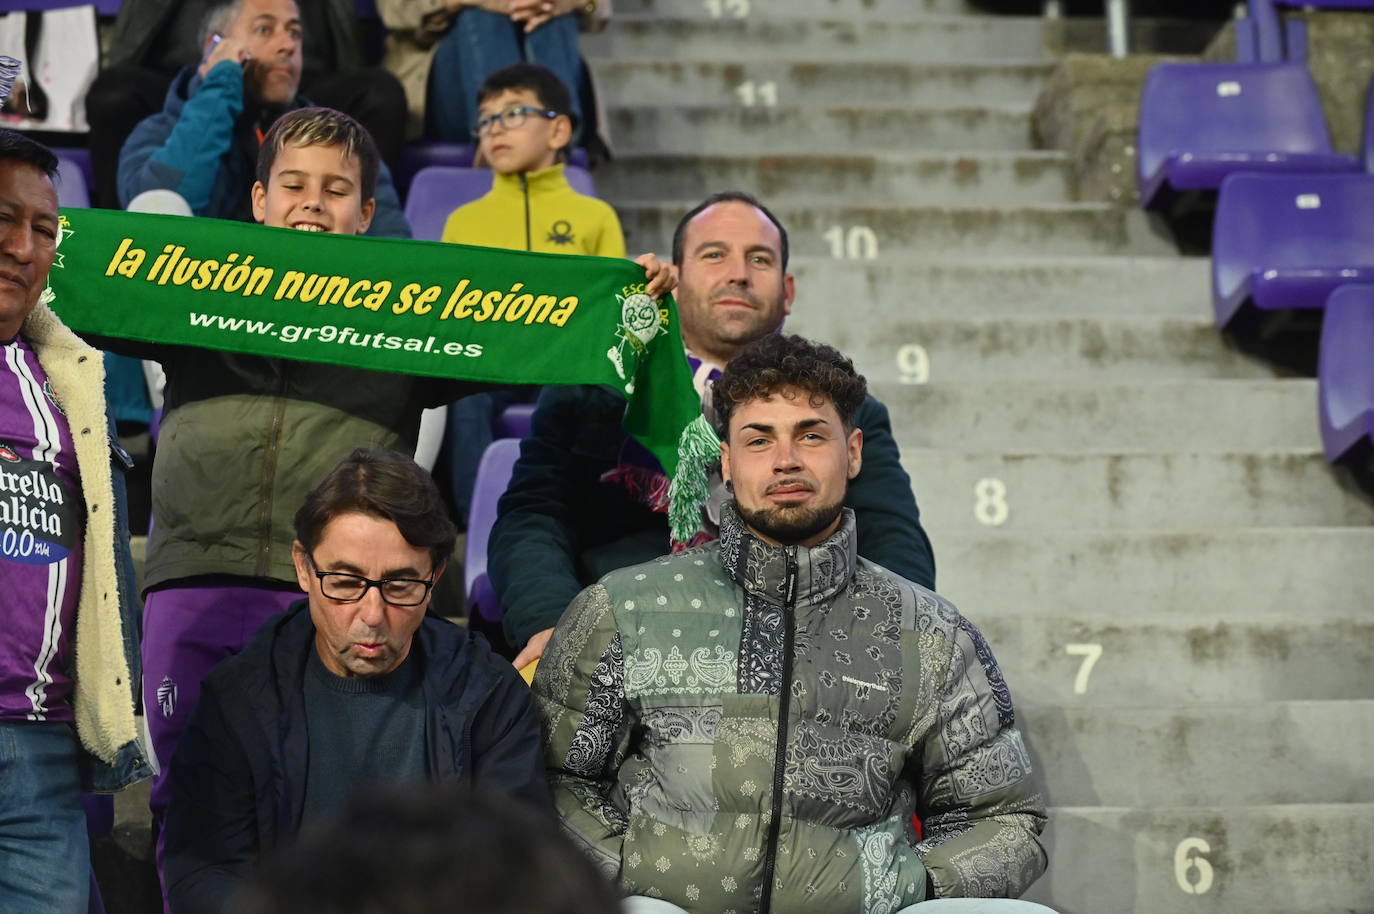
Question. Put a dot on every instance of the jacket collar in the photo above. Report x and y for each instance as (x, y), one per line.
(823, 570)
(547, 180)
(448, 655)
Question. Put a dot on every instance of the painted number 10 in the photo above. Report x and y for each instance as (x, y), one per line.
(858, 242)
(735, 9)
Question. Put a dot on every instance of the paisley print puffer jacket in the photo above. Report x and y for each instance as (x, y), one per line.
(749, 728)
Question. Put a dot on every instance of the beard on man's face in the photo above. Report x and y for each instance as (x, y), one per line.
(790, 525)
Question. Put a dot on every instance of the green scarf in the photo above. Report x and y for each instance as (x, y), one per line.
(414, 307)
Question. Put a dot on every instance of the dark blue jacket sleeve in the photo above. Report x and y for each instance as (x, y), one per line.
(532, 552)
(182, 150)
(885, 511)
(507, 745)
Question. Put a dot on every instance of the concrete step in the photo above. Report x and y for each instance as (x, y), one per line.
(1153, 757)
(1168, 660)
(692, 127)
(1289, 859)
(993, 179)
(915, 343)
(748, 10)
(1122, 491)
(723, 82)
(928, 38)
(873, 232)
(1322, 572)
(892, 289)
(1021, 417)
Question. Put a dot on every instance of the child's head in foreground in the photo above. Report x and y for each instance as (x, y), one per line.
(317, 172)
(524, 120)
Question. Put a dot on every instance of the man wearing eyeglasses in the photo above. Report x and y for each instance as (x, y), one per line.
(353, 687)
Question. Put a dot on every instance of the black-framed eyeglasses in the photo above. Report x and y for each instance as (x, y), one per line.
(511, 118)
(350, 588)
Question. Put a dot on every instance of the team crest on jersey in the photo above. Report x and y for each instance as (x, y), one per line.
(167, 696)
(52, 397)
(9, 454)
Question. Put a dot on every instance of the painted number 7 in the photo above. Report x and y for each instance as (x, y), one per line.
(1090, 654)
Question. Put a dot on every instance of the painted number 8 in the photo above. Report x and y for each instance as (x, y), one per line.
(991, 508)
(1189, 859)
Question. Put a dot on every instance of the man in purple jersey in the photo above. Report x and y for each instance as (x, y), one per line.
(69, 656)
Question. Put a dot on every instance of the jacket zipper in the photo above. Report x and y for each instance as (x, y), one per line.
(269, 475)
(770, 860)
(525, 187)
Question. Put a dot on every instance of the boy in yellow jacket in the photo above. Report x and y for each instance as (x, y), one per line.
(524, 129)
(523, 132)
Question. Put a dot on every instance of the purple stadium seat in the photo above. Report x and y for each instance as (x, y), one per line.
(1200, 122)
(1285, 242)
(514, 421)
(493, 475)
(81, 158)
(1345, 373)
(1273, 39)
(438, 190)
(71, 184)
(429, 153)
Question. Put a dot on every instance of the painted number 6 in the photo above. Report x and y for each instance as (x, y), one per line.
(1189, 859)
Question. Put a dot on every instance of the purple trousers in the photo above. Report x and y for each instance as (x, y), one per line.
(187, 629)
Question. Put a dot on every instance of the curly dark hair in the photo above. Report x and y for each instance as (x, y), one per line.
(780, 360)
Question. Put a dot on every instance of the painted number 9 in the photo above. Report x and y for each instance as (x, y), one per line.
(913, 364)
(990, 506)
(1189, 860)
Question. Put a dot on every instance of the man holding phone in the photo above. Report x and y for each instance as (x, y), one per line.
(203, 145)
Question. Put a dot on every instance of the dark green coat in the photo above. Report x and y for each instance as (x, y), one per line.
(744, 727)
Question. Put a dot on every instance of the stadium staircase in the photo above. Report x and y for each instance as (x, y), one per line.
(1139, 517)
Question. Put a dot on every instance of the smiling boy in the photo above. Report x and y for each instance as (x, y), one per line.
(318, 175)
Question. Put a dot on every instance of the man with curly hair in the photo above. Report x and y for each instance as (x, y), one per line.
(750, 725)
